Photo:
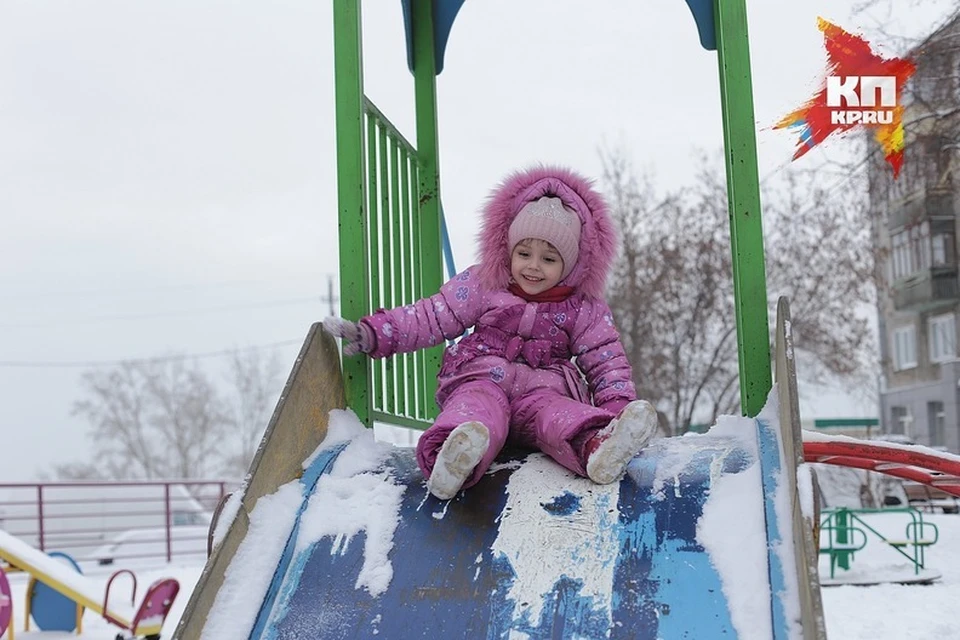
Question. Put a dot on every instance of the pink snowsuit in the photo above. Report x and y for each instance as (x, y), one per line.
(515, 372)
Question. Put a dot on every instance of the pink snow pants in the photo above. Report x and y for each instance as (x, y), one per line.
(542, 419)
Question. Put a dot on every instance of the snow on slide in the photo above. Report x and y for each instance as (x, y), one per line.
(680, 548)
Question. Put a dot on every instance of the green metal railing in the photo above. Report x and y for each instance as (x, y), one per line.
(399, 385)
(389, 222)
(846, 532)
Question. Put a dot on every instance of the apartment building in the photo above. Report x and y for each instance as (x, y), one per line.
(914, 227)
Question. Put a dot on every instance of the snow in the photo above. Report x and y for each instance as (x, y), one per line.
(246, 580)
(229, 512)
(354, 497)
(342, 507)
(728, 530)
(738, 550)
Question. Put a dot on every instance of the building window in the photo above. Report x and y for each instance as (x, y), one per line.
(942, 336)
(902, 264)
(900, 421)
(911, 250)
(936, 422)
(942, 245)
(904, 348)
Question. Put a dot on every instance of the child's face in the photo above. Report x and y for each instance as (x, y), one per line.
(535, 265)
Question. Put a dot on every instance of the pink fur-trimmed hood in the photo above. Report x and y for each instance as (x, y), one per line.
(598, 237)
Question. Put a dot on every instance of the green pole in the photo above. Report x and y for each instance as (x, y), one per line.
(431, 265)
(354, 275)
(743, 196)
(843, 524)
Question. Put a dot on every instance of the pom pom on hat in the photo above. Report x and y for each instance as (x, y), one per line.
(548, 219)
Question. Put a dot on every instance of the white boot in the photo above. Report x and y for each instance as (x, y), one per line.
(458, 457)
(611, 450)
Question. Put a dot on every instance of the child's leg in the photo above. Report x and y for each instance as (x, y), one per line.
(552, 422)
(480, 401)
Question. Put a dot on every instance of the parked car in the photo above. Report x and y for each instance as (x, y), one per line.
(927, 498)
(187, 541)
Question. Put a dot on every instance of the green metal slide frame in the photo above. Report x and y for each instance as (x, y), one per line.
(389, 217)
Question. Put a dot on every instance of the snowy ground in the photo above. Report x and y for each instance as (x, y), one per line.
(853, 613)
(893, 610)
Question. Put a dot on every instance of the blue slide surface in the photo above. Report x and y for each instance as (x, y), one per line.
(529, 552)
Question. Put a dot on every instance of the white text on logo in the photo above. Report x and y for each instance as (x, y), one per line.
(860, 103)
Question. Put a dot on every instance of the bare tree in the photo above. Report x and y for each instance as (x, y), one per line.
(670, 294)
(254, 383)
(885, 18)
(73, 471)
(153, 419)
(672, 290)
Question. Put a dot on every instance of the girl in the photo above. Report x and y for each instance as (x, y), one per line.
(544, 364)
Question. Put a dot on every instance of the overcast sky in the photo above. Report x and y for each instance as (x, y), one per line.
(167, 169)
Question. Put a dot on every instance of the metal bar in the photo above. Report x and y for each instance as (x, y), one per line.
(70, 516)
(371, 108)
(425, 90)
(40, 516)
(372, 210)
(410, 364)
(423, 370)
(105, 483)
(354, 280)
(447, 249)
(169, 523)
(95, 501)
(743, 196)
(373, 243)
(389, 380)
(401, 263)
(401, 421)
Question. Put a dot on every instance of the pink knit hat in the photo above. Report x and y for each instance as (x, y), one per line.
(550, 220)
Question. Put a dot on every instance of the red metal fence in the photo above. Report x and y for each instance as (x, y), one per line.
(110, 522)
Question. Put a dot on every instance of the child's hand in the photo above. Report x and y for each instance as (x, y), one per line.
(356, 337)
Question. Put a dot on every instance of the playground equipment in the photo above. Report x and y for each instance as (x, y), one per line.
(531, 549)
(145, 620)
(51, 610)
(844, 532)
(390, 203)
(6, 606)
(920, 464)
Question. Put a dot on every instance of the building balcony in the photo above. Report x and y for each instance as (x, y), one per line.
(933, 204)
(927, 289)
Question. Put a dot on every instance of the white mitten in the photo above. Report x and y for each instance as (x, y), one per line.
(356, 338)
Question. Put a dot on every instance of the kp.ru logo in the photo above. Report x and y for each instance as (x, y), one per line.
(843, 89)
(860, 88)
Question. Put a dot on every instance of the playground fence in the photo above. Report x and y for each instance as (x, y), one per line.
(109, 522)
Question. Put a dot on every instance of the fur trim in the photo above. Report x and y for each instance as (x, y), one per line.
(598, 236)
